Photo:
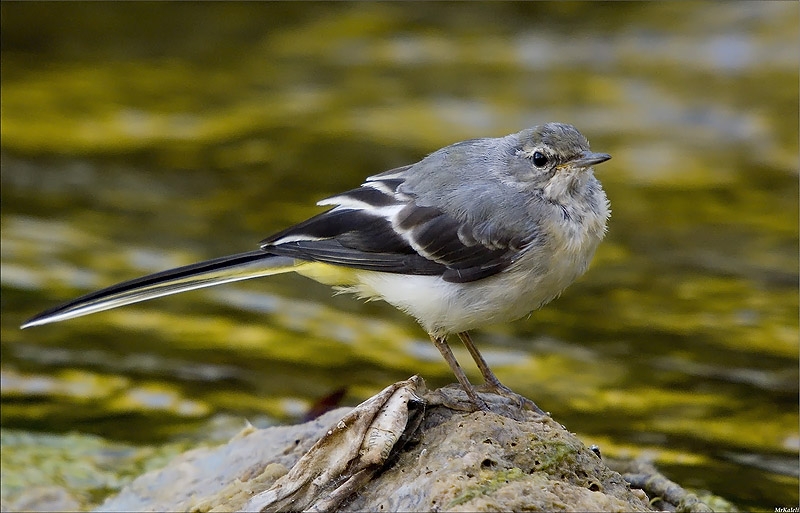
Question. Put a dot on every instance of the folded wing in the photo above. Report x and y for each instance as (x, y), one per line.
(378, 228)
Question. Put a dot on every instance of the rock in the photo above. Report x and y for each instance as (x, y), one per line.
(202, 478)
(445, 459)
(482, 461)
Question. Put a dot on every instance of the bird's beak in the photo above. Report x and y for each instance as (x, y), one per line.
(589, 158)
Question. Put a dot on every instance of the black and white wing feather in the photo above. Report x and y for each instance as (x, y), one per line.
(379, 227)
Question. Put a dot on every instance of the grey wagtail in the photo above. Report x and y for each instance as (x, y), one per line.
(480, 232)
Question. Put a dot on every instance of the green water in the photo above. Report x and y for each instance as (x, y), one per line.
(138, 137)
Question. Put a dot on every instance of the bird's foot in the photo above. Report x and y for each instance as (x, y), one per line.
(456, 398)
(501, 401)
(521, 401)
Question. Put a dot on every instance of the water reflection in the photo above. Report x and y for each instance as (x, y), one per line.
(127, 150)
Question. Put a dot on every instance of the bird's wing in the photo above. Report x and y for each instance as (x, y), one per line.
(378, 228)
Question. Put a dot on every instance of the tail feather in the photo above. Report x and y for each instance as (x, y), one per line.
(227, 269)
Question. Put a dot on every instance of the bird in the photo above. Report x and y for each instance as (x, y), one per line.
(480, 232)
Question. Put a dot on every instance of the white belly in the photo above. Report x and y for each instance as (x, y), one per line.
(442, 307)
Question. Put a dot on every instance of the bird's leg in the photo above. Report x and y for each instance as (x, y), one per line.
(491, 380)
(447, 353)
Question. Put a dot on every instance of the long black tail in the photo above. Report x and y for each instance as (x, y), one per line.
(242, 266)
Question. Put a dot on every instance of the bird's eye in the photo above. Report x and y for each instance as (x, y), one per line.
(539, 160)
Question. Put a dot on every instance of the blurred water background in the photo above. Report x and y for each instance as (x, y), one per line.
(141, 136)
